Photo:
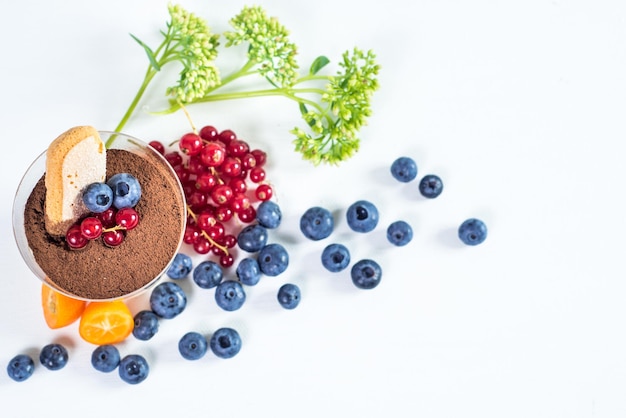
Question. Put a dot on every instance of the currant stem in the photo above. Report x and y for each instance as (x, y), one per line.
(184, 109)
(216, 174)
(205, 235)
(114, 228)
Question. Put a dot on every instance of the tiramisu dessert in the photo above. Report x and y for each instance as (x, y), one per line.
(103, 223)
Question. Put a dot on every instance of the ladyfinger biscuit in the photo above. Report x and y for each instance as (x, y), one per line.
(74, 160)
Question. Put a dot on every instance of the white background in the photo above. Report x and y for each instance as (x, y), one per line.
(518, 106)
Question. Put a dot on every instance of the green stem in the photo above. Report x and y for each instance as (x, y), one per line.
(289, 93)
(306, 78)
(150, 73)
(133, 105)
(243, 71)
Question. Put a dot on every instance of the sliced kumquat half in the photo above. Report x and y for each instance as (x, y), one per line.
(60, 310)
(106, 322)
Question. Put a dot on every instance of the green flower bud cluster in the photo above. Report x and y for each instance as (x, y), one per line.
(350, 92)
(269, 45)
(348, 105)
(196, 49)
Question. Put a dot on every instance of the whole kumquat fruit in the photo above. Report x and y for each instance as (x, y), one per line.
(106, 322)
(60, 310)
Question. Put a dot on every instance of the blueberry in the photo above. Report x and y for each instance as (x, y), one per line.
(430, 186)
(404, 169)
(126, 190)
(248, 271)
(21, 367)
(366, 274)
(289, 296)
(268, 214)
(208, 274)
(133, 369)
(98, 197)
(53, 356)
(192, 346)
(273, 259)
(473, 231)
(230, 295)
(167, 300)
(181, 266)
(335, 257)
(399, 233)
(317, 223)
(362, 216)
(225, 343)
(146, 325)
(252, 238)
(105, 358)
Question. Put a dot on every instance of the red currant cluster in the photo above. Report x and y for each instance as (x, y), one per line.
(223, 180)
(111, 225)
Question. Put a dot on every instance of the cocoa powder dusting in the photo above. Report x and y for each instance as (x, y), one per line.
(100, 272)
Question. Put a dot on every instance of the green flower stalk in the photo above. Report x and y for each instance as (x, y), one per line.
(334, 114)
(188, 41)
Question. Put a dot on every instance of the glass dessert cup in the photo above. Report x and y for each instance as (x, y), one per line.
(149, 252)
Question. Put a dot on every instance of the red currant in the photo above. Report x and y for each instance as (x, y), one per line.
(127, 218)
(248, 161)
(189, 187)
(229, 241)
(243, 174)
(190, 144)
(174, 158)
(91, 227)
(75, 239)
(237, 147)
(158, 146)
(217, 250)
(113, 238)
(197, 200)
(208, 133)
(264, 192)
(238, 185)
(196, 166)
(217, 231)
(224, 213)
(205, 182)
(226, 136)
(247, 215)
(239, 202)
(205, 220)
(107, 218)
(222, 194)
(226, 260)
(202, 245)
(191, 234)
(231, 167)
(213, 154)
(257, 175)
(260, 157)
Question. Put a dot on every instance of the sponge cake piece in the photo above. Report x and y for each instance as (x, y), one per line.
(74, 160)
